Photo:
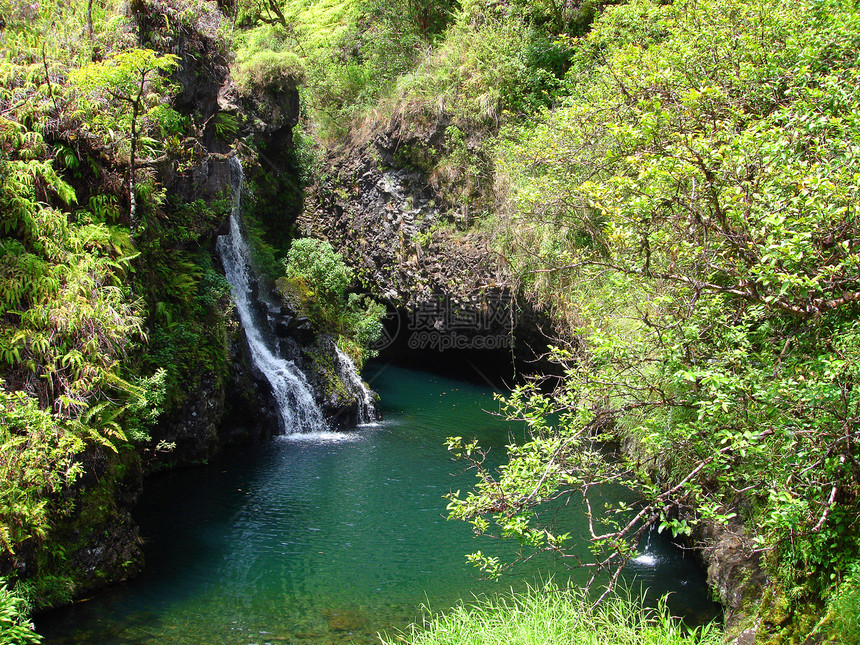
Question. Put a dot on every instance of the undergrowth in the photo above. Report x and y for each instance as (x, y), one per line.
(554, 616)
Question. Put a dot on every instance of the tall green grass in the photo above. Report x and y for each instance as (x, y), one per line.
(554, 616)
(841, 623)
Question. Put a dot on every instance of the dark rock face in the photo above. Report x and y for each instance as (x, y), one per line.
(271, 114)
(315, 355)
(379, 216)
(99, 536)
(319, 362)
(250, 414)
(393, 225)
(735, 571)
(193, 429)
(116, 545)
(202, 72)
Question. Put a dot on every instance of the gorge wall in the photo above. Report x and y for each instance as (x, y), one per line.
(411, 243)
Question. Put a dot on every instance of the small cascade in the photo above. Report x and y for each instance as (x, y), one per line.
(647, 557)
(349, 375)
(297, 408)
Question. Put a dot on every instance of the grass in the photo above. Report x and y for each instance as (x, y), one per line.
(554, 616)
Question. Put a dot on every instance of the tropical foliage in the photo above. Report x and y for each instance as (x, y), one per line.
(14, 629)
(318, 277)
(84, 115)
(67, 323)
(687, 213)
(131, 85)
(676, 183)
(347, 52)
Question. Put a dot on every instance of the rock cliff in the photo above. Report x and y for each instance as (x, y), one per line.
(410, 244)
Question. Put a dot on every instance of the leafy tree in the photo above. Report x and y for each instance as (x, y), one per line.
(318, 277)
(689, 213)
(424, 18)
(135, 81)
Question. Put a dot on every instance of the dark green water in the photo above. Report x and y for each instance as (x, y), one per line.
(327, 538)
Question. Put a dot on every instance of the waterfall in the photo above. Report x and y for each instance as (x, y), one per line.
(349, 375)
(647, 558)
(297, 408)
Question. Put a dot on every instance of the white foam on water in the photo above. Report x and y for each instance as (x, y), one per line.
(645, 560)
(324, 436)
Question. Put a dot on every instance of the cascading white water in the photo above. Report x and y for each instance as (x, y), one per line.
(297, 407)
(349, 375)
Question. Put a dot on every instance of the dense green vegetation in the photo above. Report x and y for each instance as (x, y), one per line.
(348, 52)
(68, 320)
(676, 183)
(704, 240)
(317, 279)
(110, 308)
(114, 315)
(552, 615)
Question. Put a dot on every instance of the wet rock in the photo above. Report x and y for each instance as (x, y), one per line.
(345, 620)
(282, 326)
(734, 569)
(302, 330)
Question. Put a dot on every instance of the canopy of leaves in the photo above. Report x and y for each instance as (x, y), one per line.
(123, 74)
(689, 212)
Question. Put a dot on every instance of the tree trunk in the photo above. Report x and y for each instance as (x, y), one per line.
(132, 200)
(90, 20)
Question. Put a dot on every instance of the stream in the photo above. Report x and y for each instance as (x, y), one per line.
(330, 537)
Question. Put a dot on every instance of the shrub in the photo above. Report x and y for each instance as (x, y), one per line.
(320, 271)
(269, 71)
(14, 628)
(318, 279)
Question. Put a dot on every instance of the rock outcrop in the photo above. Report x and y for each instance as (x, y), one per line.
(735, 572)
(394, 225)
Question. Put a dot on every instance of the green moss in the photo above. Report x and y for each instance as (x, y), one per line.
(268, 71)
(90, 515)
(416, 156)
(323, 363)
